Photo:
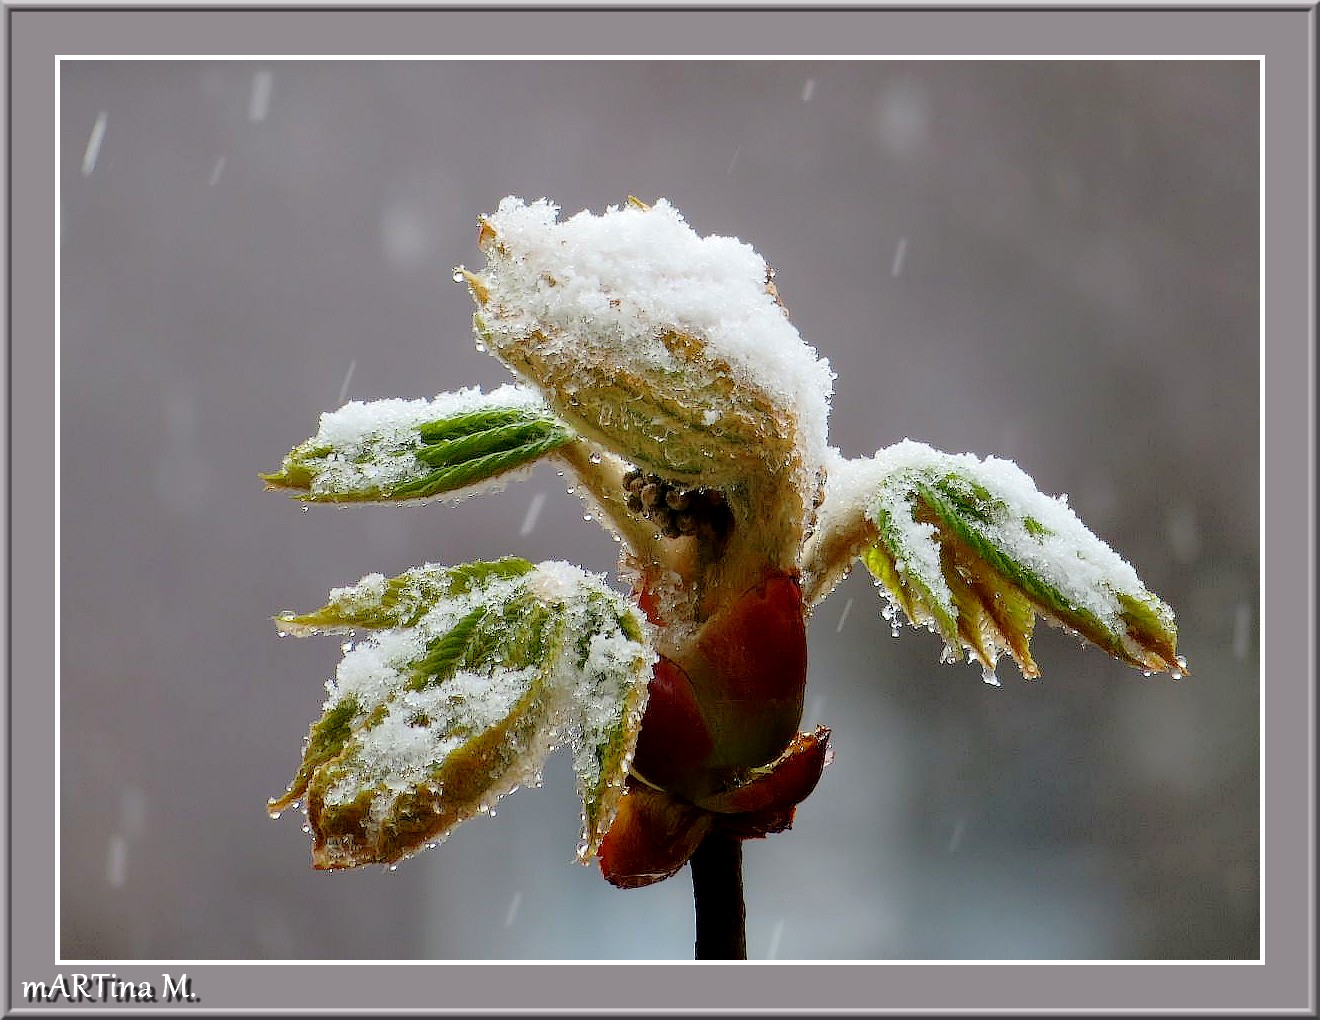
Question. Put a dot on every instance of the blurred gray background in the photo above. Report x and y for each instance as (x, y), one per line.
(1053, 262)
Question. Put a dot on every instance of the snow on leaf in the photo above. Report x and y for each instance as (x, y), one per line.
(377, 602)
(607, 669)
(665, 347)
(470, 677)
(392, 450)
(971, 549)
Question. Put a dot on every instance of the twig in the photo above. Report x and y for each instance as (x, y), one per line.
(717, 889)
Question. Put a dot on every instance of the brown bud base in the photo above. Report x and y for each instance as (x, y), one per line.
(652, 837)
(718, 750)
(655, 833)
(729, 700)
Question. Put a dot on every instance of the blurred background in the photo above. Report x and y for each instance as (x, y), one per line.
(1051, 262)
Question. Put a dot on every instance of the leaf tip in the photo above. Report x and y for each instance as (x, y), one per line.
(477, 286)
(285, 623)
(277, 806)
(486, 233)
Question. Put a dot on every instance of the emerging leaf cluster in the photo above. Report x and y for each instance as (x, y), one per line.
(977, 566)
(646, 352)
(469, 678)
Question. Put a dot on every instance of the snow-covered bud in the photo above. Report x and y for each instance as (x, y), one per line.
(662, 346)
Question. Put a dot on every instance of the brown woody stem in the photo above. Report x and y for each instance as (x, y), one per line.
(717, 889)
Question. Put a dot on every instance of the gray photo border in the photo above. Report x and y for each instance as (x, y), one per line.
(1283, 35)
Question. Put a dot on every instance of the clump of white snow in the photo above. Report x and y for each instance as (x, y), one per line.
(628, 277)
(397, 419)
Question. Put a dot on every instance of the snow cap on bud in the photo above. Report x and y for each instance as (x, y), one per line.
(665, 347)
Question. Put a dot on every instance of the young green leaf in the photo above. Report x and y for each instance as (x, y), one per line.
(470, 677)
(377, 602)
(972, 550)
(601, 668)
(393, 450)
